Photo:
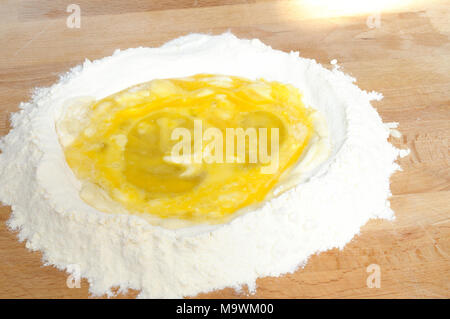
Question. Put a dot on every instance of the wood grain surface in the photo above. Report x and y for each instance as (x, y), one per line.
(405, 55)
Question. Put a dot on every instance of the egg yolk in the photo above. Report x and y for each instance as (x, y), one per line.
(126, 148)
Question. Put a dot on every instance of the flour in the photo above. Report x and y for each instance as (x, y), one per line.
(118, 250)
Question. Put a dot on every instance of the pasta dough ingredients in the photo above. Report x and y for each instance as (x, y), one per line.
(312, 209)
(125, 147)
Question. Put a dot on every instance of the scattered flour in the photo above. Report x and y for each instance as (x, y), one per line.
(125, 251)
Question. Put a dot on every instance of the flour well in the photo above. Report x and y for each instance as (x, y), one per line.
(118, 250)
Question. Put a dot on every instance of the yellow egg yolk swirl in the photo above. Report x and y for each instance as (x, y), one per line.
(126, 146)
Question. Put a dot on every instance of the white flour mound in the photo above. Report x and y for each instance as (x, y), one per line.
(125, 251)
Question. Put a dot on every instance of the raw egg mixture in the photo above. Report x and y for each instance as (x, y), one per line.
(123, 149)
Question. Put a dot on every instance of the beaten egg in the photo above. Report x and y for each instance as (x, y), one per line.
(197, 148)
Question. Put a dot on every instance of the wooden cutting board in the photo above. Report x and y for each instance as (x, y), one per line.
(403, 52)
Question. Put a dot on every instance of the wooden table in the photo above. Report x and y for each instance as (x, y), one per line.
(403, 52)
